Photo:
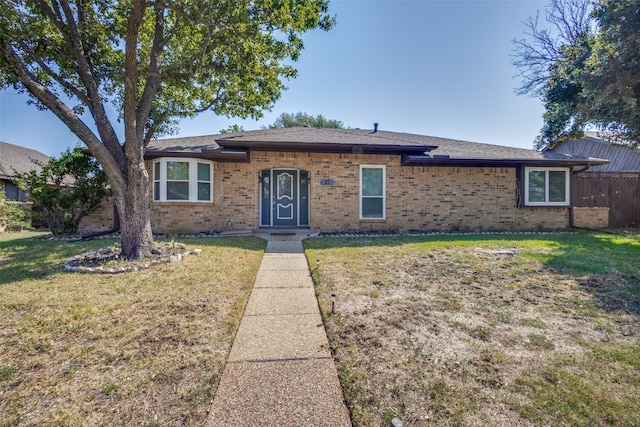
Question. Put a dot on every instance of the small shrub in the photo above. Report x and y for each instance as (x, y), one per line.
(12, 215)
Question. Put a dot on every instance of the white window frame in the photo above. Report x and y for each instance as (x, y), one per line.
(546, 202)
(384, 192)
(193, 179)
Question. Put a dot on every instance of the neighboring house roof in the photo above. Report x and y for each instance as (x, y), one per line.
(14, 158)
(418, 150)
(622, 158)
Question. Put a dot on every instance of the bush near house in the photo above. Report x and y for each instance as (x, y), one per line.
(65, 190)
(13, 216)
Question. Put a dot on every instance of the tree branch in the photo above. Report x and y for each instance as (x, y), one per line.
(65, 84)
(154, 78)
(66, 23)
(67, 116)
(541, 48)
(133, 144)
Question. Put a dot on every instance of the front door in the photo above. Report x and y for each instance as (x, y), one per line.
(285, 198)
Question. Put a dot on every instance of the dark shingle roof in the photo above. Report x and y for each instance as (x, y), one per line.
(416, 149)
(14, 158)
(310, 135)
(188, 144)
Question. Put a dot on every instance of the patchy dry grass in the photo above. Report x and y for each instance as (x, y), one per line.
(516, 330)
(142, 348)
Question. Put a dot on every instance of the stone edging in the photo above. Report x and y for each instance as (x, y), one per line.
(100, 269)
(437, 233)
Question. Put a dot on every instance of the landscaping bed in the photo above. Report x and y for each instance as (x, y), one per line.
(517, 330)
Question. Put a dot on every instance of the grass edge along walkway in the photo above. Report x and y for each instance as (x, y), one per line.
(280, 370)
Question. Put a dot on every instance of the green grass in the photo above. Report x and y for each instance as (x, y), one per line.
(580, 253)
(126, 349)
(597, 388)
(440, 330)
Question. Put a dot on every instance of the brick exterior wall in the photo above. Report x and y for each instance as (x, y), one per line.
(590, 217)
(101, 219)
(417, 198)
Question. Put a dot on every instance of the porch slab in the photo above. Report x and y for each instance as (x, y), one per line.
(282, 393)
(284, 247)
(280, 337)
(274, 301)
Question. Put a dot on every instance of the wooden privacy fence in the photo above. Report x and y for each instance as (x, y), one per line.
(620, 191)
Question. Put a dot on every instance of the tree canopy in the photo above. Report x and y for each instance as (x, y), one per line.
(154, 62)
(585, 69)
(286, 120)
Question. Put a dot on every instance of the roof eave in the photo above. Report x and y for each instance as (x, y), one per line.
(410, 160)
(218, 154)
(326, 147)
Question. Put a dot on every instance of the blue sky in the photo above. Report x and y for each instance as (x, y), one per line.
(440, 68)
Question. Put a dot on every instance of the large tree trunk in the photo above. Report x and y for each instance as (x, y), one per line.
(133, 206)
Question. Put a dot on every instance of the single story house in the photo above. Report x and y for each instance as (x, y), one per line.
(16, 159)
(352, 179)
(613, 187)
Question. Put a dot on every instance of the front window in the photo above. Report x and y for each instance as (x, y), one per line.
(13, 192)
(372, 192)
(546, 187)
(182, 180)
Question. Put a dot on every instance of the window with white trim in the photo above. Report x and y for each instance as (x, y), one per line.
(182, 180)
(546, 186)
(372, 192)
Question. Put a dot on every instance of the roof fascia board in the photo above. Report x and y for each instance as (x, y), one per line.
(220, 155)
(429, 161)
(321, 147)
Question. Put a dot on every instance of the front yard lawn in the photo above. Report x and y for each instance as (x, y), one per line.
(517, 330)
(142, 348)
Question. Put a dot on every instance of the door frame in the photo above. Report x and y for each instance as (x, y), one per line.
(266, 187)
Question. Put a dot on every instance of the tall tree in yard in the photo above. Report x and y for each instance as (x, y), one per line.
(154, 61)
(286, 120)
(585, 68)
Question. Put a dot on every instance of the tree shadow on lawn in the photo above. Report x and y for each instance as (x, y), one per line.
(605, 265)
(37, 258)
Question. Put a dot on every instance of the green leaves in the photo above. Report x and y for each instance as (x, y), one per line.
(593, 79)
(66, 189)
(227, 56)
(286, 120)
(154, 62)
(12, 217)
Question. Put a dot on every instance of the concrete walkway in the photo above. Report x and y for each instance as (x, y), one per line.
(280, 371)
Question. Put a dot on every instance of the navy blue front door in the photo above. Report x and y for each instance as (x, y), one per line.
(284, 198)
